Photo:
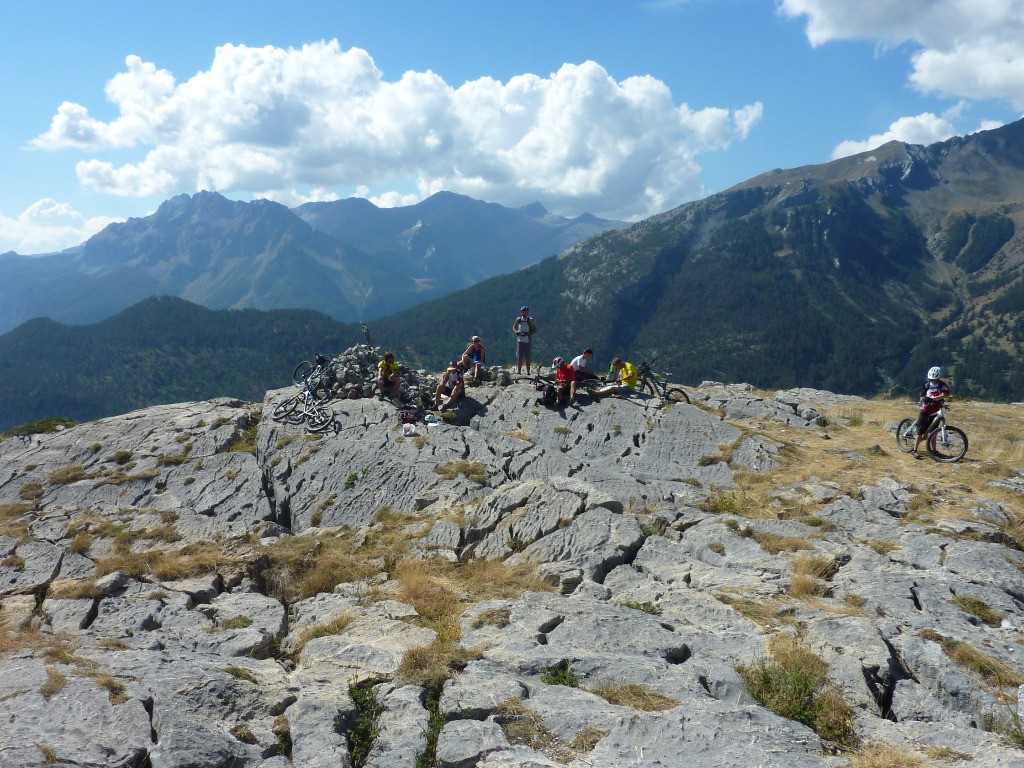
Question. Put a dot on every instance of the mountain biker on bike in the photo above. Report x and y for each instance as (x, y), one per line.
(389, 382)
(624, 383)
(933, 392)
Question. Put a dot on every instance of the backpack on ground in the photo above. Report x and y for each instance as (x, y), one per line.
(548, 396)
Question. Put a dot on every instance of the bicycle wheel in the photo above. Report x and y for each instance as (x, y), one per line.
(646, 386)
(319, 419)
(285, 408)
(949, 444)
(676, 395)
(301, 372)
(906, 432)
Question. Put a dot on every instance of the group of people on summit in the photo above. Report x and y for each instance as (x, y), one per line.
(621, 379)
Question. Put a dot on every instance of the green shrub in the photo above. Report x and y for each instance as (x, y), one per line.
(560, 674)
(794, 684)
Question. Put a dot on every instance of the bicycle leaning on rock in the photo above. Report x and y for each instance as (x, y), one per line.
(657, 384)
(307, 405)
(943, 442)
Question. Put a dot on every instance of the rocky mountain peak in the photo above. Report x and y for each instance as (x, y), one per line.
(512, 586)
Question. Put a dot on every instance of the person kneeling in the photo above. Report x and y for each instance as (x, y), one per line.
(625, 380)
(453, 385)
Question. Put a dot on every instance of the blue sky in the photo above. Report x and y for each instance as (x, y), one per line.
(620, 108)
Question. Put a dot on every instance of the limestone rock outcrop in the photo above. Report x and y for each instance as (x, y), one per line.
(197, 584)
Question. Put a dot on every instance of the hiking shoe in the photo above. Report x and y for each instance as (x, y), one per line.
(916, 454)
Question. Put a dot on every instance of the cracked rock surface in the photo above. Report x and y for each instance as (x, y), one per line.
(198, 585)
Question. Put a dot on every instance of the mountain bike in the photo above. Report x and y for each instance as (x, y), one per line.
(305, 406)
(311, 373)
(944, 442)
(657, 384)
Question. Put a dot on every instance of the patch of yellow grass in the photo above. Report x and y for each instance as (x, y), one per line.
(775, 543)
(192, 560)
(474, 471)
(769, 614)
(634, 695)
(430, 665)
(885, 756)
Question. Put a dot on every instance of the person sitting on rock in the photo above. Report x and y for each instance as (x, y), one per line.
(565, 382)
(581, 364)
(624, 382)
(389, 382)
(453, 385)
(474, 356)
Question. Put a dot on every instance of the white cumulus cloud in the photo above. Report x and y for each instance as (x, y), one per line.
(47, 226)
(925, 128)
(962, 49)
(280, 121)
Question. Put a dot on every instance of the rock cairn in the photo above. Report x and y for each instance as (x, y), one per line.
(353, 374)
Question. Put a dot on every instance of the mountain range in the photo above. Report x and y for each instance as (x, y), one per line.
(855, 276)
(346, 258)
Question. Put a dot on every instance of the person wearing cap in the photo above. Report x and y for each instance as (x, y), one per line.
(624, 382)
(524, 328)
(474, 356)
(453, 385)
(565, 382)
(389, 382)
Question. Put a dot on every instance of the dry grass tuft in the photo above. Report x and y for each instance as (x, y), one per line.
(116, 691)
(303, 566)
(975, 606)
(774, 543)
(523, 726)
(69, 474)
(49, 754)
(815, 566)
(767, 613)
(168, 565)
(431, 665)
(945, 754)
(885, 756)
(587, 739)
(55, 683)
(636, 696)
(882, 547)
(993, 671)
(474, 471)
(802, 585)
(69, 589)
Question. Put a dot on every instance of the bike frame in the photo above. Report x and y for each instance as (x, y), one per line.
(937, 423)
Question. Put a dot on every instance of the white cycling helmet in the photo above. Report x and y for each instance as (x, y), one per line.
(935, 372)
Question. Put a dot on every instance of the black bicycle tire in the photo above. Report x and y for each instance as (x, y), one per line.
(645, 385)
(676, 395)
(904, 425)
(319, 419)
(301, 373)
(934, 452)
(283, 409)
